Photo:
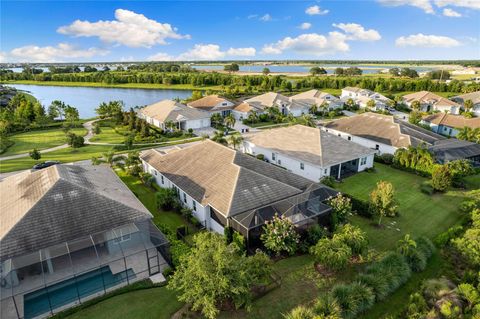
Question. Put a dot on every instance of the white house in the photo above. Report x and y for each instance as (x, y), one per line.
(318, 98)
(431, 102)
(213, 104)
(160, 113)
(224, 187)
(474, 97)
(362, 97)
(244, 109)
(309, 152)
(382, 133)
(271, 99)
(448, 124)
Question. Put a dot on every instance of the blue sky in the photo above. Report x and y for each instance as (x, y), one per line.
(51, 31)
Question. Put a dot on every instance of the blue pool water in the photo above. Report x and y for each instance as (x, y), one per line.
(65, 292)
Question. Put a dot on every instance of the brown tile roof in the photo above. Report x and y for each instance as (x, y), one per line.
(245, 108)
(60, 203)
(168, 110)
(309, 144)
(227, 180)
(473, 96)
(384, 129)
(456, 121)
(208, 102)
(428, 98)
(267, 99)
(314, 97)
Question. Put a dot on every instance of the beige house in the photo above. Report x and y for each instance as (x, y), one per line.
(184, 117)
(431, 102)
(284, 104)
(474, 97)
(318, 98)
(213, 104)
(448, 124)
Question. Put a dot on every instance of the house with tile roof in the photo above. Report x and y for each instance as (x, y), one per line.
(184, 117)
(309, 152)
(318, 98)
(474, 97)
(448, 124)
(272, 99)
(431, 102)
(362, 97)
(68, 227)
(213, 104)
(224, 187)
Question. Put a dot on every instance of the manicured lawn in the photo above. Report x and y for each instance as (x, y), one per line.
(41, 139)
(108, 135)
(154, 303)
(420, 214)
(65, 155)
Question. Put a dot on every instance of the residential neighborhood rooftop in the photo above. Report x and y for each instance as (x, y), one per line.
(169, 110)
(428, 97)
(209, 102)
(384, 129)
(309, 144)
(453, 149)
(473, 96)
(456, 121)
(60, 203)
(227, 180)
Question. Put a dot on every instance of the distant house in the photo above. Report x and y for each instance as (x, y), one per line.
(362, 97)
(447, 124)
(271, 99)
(318, 98)
(474, 97)
(431, 102)
(70, 233)
(309, 152)
(184, 117)
(452, 149)
(224, 187)
(213, 104)
(244, 109)
(383, 133)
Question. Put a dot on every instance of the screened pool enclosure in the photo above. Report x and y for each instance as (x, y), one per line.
(49, 280)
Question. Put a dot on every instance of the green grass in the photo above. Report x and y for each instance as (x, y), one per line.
(65, 155)
(420, 214)
(108, 135)
(124, 86)
(473, 182)
(41, 139)
(158, 303)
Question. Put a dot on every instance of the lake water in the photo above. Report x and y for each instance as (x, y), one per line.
(86, 99)
(367, 69)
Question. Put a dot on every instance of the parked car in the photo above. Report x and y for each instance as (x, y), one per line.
(45, 164)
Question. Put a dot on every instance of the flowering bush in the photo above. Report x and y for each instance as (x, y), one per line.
(341, 208)
(280, 236)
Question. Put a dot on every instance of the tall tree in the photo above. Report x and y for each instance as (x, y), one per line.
(382, 200)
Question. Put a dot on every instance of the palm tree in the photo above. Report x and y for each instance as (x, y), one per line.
(272, 112)
(415, 105)
(236, 139)
(307, 120)
(324, 107)
(468, 105)
(406, 246)
(170, 125)
(229, 121)
(110, 158)
(216, 119)
(252, 117)
(219, 137)
(313, 109)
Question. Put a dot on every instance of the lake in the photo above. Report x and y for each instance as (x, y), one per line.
(86, 99)
(367, 69)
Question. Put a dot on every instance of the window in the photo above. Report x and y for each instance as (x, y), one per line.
(349, 138)
(325, 171)
(163, 181)
(363, 161)
(184, 198)
(377, 147)
(194, 205)
(339, 134)
(155, 171)
(273, 156)
(302, 166)
(279, 162)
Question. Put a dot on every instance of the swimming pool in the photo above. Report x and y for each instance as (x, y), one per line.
(65, 292)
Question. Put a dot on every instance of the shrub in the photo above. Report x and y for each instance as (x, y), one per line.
(327, 307)
(314, 234)
(239, 241)
(364, 295)
(280, 235)
(382, 200)
(394, 268)
(426, 246)
(328, 181)
(426, 188)
(300, 312)
(353, 237)
(166, 198)
(341, 207)
(35, 154)
(331, 253)
(167, 272)
(353, 298)
(260, 157)
(446, 237)
(361, 207)
(384, 158)
(378, 284)
(74, 140)
(228, 233)
(441, 178)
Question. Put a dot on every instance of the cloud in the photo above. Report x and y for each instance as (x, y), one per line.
(470, 4)
(267, 17)
(315, 10)
(3, 57)
(59, 53)
(310, 43)
(426, 41)
(130, 29)
(204, 52)
(451, 13)
(425, 5)
(252, 16)
(355, 31)
(305, 26)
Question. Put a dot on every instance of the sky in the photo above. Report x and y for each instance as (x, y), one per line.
(100, 31)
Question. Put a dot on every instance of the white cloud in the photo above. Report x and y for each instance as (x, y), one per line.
(310, 43)
(242, 51)
(451, 13)
(470, 4)
(305, 26)
(252, 16)
(267, 17)
(204, 52)
(129, 28)
(425, 5)
(315, 10)
(3, 57)
(355, 31)
(426, 41)
(58, 53)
